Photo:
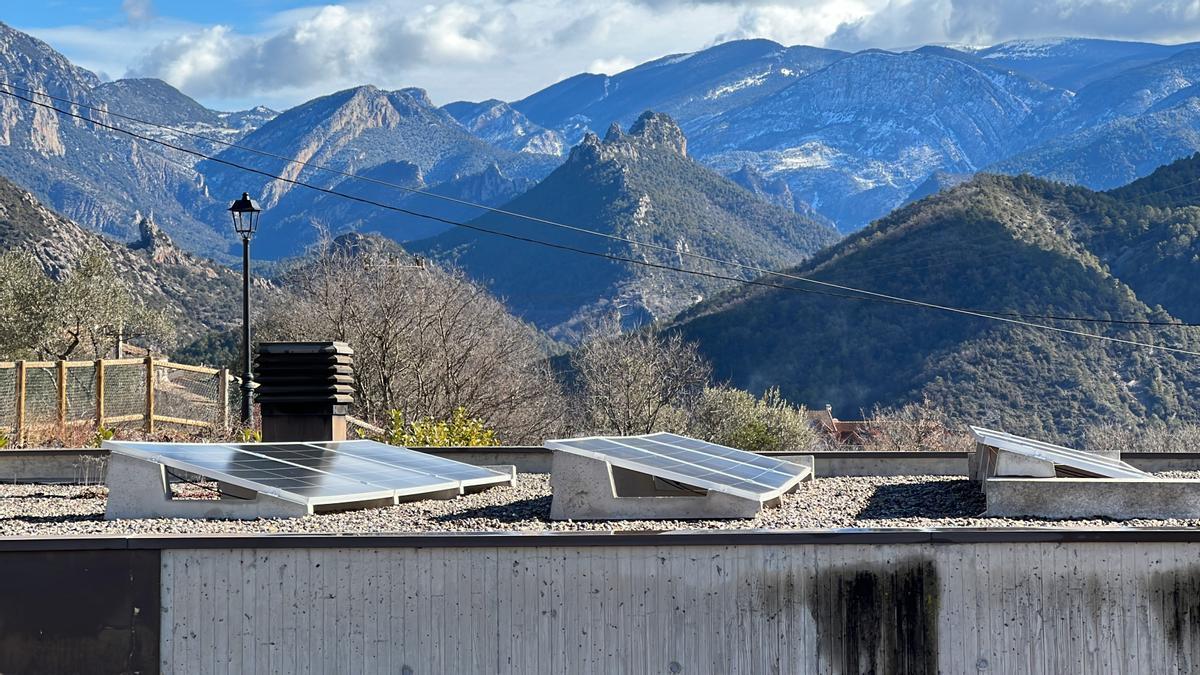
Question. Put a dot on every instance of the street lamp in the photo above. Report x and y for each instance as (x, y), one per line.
(245, 212)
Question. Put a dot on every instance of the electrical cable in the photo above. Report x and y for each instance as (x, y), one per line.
(873, 295)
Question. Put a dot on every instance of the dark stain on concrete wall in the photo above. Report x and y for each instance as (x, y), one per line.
(1175, 598)
(874, 618)
(79, 611)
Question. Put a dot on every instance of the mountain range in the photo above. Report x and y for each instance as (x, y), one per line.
(850, 135)
(636, 186)
(748, 151)
(1021, 248)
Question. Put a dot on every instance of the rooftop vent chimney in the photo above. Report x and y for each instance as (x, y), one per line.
(305, 390)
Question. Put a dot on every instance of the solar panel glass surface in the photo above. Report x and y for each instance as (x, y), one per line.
(1057, 454)
(415, 461)
(403, 481)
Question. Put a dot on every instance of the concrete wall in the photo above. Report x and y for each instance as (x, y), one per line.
(526, 459)
(855, 463)
(78, 611)
(1163, 461)
(849, 463)
(79, 465)
(914, 601)
(745, 605)
(1066, 498)
(69, 465)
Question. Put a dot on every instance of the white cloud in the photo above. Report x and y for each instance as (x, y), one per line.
(508, 48)
(493, 48)
(914, 22)
(808, 23)
(611, 66)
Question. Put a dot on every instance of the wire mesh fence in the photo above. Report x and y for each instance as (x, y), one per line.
(61, 402)
(191, 396)
(8, 398)
(41, 399)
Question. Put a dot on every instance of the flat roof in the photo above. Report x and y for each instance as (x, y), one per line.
(910, 505)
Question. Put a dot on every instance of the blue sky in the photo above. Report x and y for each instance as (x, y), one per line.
(233, 54)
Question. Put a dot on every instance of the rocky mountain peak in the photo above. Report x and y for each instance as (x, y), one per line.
(660, 131)
(588, 150)
(158, 245)
(419, 94)
(150, 235)
(651, 131)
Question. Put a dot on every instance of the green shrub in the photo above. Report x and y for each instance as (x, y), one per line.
(102, 434)
(459, 431)
(736, 418)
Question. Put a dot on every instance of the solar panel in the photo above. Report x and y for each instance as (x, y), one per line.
(255, 472)
(693, 462)
(1065, 460)
(313, 474)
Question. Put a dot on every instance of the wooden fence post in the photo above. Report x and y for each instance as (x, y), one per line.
(20, 379)
(62, 400)
(99, 393)
(149, 394)
(223, 398)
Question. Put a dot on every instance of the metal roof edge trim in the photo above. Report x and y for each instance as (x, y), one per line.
(578, 539)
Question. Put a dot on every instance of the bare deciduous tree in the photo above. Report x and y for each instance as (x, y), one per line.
(1152, 437)
(631, 383)
(427, 341)
(914, 427)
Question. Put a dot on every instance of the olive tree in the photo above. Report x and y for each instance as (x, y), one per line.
(738, 419)
(428, 343)
(81, 314)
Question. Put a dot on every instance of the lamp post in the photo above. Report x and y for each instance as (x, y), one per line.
(245, 212)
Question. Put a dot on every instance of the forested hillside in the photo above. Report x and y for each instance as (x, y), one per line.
(997, 245)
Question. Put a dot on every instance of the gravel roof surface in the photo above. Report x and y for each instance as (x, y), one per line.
(860, 502)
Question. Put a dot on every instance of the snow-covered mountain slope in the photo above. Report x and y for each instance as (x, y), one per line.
(501, 125)
(1073, 63)
(856, 138)
(353, 131)
(690, 87)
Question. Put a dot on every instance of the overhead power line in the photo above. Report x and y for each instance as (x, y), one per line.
(863, 294)
(761, 271)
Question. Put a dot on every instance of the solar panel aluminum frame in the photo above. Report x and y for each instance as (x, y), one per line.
(1056, 454)
(764, 496)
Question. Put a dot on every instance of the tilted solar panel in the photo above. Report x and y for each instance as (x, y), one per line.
(691, 461)
(252, 471)
(1074, 460)
(316, 474)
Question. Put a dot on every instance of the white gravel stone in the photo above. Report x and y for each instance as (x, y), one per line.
(858, 502)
